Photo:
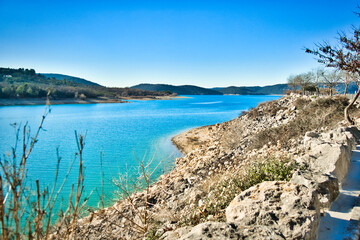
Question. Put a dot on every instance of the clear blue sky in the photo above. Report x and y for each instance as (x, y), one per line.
(206, 43)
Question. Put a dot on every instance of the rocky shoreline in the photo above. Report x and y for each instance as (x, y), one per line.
(268, 174)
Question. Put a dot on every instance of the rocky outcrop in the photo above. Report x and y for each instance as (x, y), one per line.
(328, 158)
(330, 152)
(291, 209)
(327, 186)
(222, 230)
(288, 210)
(194, 139)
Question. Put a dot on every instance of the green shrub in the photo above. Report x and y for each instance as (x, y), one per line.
(271, 169)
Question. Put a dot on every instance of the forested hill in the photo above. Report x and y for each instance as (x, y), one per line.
(180, 90)
(26, 83)
(266, 90)
(69, 78)
(195, 90)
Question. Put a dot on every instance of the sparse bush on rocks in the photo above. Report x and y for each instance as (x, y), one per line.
(222, 193)
(29, 213)
(265, 109)
(141, 218)
(301, 102)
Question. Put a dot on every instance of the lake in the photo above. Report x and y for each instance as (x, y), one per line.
(115, 134)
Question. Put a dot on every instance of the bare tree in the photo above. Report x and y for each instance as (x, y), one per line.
(317, 81)
(307, 82)
(303, 81)
(291, 82)
(344, 56)
(331, 79)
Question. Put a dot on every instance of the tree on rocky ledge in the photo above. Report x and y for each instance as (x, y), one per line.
(345, 56)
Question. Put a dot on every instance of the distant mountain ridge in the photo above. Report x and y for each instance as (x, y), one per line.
(256, 90)
(195, 90)
(69, 78)
(180, 90)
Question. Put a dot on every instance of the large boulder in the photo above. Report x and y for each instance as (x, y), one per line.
(223, 231)
(291, 208)
(330, 152)
(331, 159)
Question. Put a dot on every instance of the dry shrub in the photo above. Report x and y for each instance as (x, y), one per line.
(25, 215)
(300, 103)
(322, 112)
(265, 109)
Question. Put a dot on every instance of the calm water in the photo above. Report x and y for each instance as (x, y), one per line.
(118, 132)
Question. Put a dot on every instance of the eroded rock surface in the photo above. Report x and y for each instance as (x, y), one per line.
(330, 152)
(291, 208)
(222, 230)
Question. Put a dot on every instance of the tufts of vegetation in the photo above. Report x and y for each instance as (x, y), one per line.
(222, 193)
(300, 102)
(269, 109)
(153, 233)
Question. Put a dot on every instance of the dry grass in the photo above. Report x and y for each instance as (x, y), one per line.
(317, 114)
(269, 109)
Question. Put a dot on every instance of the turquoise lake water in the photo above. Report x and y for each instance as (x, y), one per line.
(115, 131)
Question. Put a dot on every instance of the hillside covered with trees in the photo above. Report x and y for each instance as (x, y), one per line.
(69, 78)
(181, 90)
(195, 90)
(26, 83)
(256, 90)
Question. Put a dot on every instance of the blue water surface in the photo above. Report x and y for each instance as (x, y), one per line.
(117, 132)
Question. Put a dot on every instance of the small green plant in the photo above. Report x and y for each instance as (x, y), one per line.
(152, 233)
(269, 170)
